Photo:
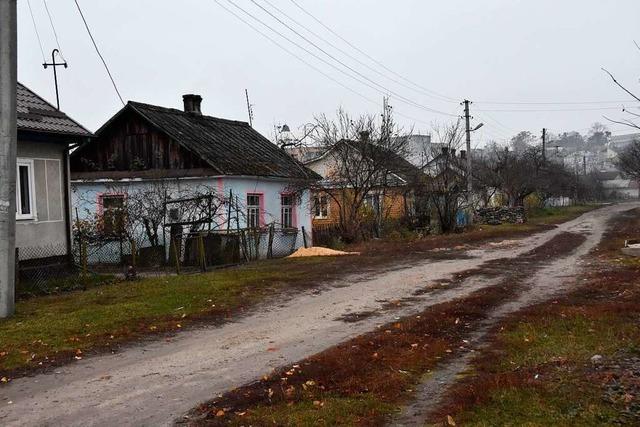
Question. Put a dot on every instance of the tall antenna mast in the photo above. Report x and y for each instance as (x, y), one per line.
(249, 108)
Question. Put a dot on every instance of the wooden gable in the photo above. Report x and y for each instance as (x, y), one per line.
(129, 146)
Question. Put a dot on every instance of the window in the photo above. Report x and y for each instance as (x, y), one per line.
(321, 207)
(253, 210)
(113, 214)
(373, 202)
(286, 211)
(25, 195)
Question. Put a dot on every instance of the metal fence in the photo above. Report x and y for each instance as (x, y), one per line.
(50, 269)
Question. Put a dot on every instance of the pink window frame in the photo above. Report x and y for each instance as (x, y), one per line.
(294, 208)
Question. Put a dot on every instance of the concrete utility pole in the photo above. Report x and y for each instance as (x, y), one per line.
(467, 118)
(544, 144)
(8, 144)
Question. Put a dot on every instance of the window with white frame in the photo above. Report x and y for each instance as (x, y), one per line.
(286, 211)
(321, 207)
(25, 190)
(253, 210)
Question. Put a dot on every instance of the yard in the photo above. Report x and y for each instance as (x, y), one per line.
(53, 330)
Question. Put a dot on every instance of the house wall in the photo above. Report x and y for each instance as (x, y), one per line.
(85, 196)
(46, 233)
(393, 206)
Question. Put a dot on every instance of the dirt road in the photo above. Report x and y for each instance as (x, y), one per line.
(155, 383)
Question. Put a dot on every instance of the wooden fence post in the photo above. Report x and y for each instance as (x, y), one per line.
(133, 254)
(270, 244)
(203, 257)
(176, 255)
(83, 257)
(304, 237)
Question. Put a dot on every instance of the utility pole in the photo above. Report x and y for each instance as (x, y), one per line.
(467, 118)
(8, 144)
(544, 144)
(55, 64)
(249, 107)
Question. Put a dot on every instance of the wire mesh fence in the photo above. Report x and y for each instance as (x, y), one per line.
(47, 269)
(51, 269)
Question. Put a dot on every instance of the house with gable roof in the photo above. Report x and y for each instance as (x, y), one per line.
(43, 209)
(185, 149)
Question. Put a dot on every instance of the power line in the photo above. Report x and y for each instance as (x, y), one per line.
(379, 63)
(382, 89)
(354, 58)
(55, 33)
(35, 27)
(549, 110)
(86, 25)
(272, 40)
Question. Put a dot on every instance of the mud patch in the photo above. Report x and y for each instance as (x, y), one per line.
(357, 317)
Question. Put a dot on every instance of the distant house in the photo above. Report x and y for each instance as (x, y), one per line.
(392, 199)
(43, 218)
(143, 144)
(617, 186)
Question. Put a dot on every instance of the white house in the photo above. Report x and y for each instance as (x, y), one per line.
(143, 145)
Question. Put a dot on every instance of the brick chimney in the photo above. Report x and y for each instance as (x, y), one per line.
(192, 104)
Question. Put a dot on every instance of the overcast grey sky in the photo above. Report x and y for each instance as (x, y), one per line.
(483, 50)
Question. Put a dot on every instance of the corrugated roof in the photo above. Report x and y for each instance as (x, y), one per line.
(230, 147)
(37, 115)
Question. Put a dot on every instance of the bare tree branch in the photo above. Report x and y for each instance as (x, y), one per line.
(626, 123)
(623, 88)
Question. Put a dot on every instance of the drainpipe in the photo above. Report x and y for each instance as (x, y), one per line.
(67, 201)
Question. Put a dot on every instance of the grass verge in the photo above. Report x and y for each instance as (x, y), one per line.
(540, 367)
(51, 330)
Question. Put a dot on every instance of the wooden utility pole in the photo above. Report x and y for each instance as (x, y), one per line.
(8, 147)
(544, 144)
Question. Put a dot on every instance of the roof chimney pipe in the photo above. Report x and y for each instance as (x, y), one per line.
(192, 104)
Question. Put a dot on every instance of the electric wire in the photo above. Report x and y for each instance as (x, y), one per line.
(379, 63)
(547, 110)
(95, 45)
(380, 87)
(55, 33)
(354, 58)
(550, 103)
(35, 27)
(307, 63)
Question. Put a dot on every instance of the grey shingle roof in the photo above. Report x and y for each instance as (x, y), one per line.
(37, 115)
(230, 147)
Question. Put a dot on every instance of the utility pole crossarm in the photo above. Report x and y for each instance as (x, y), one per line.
(54, 65)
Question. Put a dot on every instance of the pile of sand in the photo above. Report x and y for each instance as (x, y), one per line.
(319, 251)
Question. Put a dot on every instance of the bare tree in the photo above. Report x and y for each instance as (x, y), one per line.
(444, 181)
(629, 161)
(625, 121)
(522, 141)
(363, 155)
